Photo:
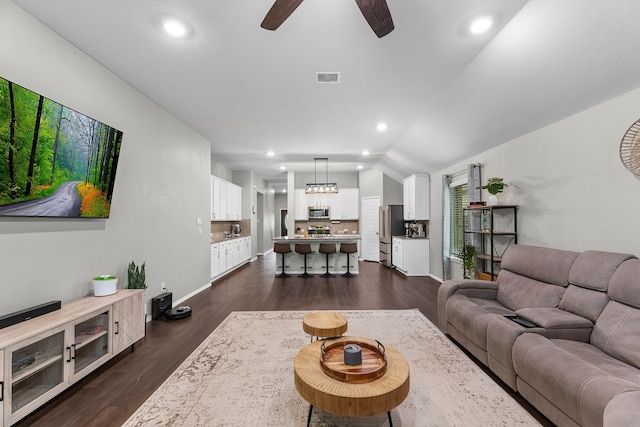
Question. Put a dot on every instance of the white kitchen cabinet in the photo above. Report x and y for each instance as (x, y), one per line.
(236, 247)
(397, 253)
(222, 258)
(215, 255)
(345, 204)
(216, 207)
(246, 246)
(415, 191)
(226, 200)
(301, 207)
(229, 254)
(411, 255)
(41, 357)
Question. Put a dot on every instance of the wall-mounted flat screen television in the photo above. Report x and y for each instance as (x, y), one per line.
(54, 161)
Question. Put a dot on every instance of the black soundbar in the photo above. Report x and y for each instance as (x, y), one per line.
(29, 313)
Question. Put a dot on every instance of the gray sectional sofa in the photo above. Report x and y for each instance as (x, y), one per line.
(575, 355)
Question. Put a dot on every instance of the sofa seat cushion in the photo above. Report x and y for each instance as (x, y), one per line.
(471, 315)
(576, 377)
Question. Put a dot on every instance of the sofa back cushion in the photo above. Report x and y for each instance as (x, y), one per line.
(533, 276)
(584, 302)
(589, 279)
(516, 292)
(617, 330)
(593, 269)
(541, 264)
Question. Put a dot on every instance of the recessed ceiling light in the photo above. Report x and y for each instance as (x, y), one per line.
(270, 153)
(481, 24)
(382, 127)
(365, 152)
(360, 167)
(174, 28)
(282, 168)
(284, 190)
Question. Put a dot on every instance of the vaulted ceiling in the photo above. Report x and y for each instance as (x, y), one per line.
(444, 93)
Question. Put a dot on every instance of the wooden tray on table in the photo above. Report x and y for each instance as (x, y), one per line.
(374, 362)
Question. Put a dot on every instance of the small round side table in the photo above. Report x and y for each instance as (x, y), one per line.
(324, 324)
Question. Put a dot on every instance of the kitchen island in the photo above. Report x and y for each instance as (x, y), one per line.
(316, 262)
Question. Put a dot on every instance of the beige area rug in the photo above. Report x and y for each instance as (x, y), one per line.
(242, 375)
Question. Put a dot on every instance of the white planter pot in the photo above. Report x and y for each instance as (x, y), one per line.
(105, 285)
(493, 200)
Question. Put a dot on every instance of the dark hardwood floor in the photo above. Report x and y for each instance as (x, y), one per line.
(108, 396)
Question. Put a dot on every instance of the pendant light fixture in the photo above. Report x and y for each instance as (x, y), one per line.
(323, 187)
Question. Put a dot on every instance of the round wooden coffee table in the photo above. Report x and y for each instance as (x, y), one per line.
(324, 324)
(346, 399)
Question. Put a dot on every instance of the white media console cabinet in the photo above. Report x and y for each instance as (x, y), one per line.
(43, 356)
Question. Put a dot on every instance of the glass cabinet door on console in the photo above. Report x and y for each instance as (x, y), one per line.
(36, 370)
(90, 343)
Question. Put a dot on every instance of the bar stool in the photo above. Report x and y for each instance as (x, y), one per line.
(327, 248)
(304, 249)
(348, 248)
(282, 248)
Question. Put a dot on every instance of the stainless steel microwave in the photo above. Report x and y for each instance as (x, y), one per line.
(316, 212)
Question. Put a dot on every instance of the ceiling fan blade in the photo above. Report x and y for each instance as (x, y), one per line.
(377, 14)
(279, 13)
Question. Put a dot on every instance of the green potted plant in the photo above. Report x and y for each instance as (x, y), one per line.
(467, 254)
(494, 186)
(136, 276)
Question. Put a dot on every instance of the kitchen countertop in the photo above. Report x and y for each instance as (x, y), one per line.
(226, 240)
(332, 237)
(409, 238)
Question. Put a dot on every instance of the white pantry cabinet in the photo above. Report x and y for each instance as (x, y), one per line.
(43, 356)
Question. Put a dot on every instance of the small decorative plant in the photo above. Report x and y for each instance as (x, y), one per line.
(467, 254)
(136, 276)
(494, 185)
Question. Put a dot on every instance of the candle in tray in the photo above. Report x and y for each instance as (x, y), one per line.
(352, 355)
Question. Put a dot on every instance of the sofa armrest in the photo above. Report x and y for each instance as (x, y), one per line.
(554, 318)
(556, 323)
(622, 410)
(470, 287)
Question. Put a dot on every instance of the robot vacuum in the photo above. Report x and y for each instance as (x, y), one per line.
(178, 312)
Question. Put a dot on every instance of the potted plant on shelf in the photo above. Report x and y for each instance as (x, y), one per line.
(467, 254)
(136, 276)
(494, 186)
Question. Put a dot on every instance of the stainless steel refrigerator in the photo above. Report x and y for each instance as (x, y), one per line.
(391, 224)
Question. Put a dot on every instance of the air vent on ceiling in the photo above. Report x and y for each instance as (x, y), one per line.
(326, 78)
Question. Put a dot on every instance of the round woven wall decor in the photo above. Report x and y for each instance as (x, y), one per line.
(630, 149)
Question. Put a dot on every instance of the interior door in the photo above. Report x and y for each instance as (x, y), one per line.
(370, 229)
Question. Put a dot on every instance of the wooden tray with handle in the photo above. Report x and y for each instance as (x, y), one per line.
(374, 361)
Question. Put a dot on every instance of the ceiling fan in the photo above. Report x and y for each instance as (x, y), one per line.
(376, 12)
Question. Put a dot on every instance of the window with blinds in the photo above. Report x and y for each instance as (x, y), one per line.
(457, 202)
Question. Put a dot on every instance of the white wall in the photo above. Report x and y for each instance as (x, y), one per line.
(162, 183)
(573, 191)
